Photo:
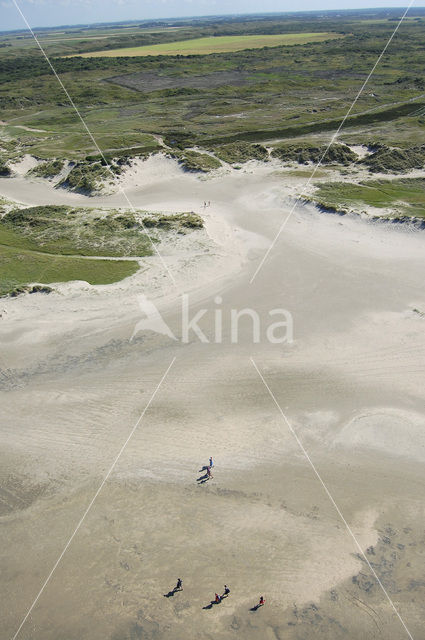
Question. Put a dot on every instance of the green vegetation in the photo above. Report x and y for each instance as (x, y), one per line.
(180, 222)
(43, 244)
(67, 231)
(253, 95)
(369, 118)
(387, 160)
(86, 177)
(304, 153)
(241, 152)
(220, 44)
(196, 162)
(48, 169)
(234, 104)
(19, 266)
(8, 150)
(306, 173)
(405, 197)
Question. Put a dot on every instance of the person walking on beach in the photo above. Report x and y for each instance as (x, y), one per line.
(262, 602)
(217, 598)
(226, 590)
(179, 586)
(211, 462)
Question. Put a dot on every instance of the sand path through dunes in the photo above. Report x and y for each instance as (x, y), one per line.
(351, 384)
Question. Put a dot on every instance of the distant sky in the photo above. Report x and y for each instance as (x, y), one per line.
(48, 13)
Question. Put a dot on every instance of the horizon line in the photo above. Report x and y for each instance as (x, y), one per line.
(87, 25)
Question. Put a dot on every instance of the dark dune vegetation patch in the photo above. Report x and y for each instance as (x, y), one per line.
(77, 231)
(147, 82)
(395, 160)
(91, 232)
(195, 162)
(305, 153)
(48, 169)
(5, 171)
(86, 177)
(239, 152)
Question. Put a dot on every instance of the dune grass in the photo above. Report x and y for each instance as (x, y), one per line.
(52, 243)
(218, 44)
(20, 266)
(401, 197)
(46, 253)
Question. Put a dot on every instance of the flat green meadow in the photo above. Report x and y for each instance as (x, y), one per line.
(219, 44)
(402, 197)
(19, 266)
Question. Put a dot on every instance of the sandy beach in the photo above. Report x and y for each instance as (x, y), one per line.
(73, 386)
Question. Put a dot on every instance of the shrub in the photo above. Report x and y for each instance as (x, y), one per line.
(394, 160)
(336, 154)
(48, 169)
(241, 152)
(197, 162)
(86, 177)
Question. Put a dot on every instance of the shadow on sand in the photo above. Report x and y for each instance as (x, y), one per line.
(202, 479)
(170, 594)
(212, 604)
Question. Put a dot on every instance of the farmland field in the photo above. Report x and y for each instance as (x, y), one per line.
(220, 44)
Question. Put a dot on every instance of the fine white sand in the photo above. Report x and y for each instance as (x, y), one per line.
(350, 385)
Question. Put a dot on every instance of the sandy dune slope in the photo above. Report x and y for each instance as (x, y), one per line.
(351, 386)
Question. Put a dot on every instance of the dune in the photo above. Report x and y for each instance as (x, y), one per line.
(350, 384)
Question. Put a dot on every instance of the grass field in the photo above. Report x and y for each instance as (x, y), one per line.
(56, 243)
(20, 266)
(33, 253)
(220, 44)
(400, 197)
(23, 261)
